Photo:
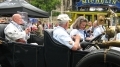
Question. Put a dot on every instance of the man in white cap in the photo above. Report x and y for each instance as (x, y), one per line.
(61, 35)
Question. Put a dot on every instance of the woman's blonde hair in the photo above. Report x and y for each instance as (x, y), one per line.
(78, 21)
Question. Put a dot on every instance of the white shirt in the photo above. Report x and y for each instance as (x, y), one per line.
(99, 30)
(61, 35)
(118, 36)
(80, 32)
(13, 31)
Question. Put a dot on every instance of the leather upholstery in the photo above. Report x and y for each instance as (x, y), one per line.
(56, 54)
(2, 27)
(36, 39)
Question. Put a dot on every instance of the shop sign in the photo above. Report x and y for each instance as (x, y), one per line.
(95, 2)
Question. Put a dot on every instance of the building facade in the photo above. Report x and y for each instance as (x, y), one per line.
(67, 5)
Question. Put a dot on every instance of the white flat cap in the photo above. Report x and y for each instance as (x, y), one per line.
(62, 17)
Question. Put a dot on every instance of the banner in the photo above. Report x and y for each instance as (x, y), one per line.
(98, 2)
(33, 20)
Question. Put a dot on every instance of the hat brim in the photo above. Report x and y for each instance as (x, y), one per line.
(70, 19)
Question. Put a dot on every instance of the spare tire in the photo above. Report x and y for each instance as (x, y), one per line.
(98, 58)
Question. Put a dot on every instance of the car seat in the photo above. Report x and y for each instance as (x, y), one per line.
(56, 54)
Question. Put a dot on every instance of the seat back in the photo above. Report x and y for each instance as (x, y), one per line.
(36, 39)
(56, 54)
(2, 27)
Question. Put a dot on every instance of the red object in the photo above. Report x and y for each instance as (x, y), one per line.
(34, 28)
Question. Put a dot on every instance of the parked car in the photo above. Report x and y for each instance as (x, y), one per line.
(52, 54)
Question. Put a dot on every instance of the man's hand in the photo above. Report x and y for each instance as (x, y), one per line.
(77, 40)
(21, 40)
(27, 30)
(76, 37)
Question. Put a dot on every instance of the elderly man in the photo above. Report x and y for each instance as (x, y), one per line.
(61, 35)
(14, 32)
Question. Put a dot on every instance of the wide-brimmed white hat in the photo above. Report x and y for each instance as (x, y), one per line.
(62, 17)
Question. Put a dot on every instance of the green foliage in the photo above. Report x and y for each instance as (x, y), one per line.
(46, 5)
(56, 13)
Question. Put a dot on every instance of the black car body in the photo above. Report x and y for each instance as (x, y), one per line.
(50, 54)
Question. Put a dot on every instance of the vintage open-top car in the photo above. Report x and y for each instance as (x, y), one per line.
(53, 54)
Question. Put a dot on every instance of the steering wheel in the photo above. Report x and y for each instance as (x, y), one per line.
(96, 38)
(87, 44)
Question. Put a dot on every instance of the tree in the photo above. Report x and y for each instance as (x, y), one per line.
(46, 5)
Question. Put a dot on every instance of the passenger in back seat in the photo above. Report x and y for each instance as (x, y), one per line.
(79, 27)
(14, 32)
(61, 35)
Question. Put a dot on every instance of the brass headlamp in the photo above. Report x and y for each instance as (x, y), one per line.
(110, 29)
(118, 29)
